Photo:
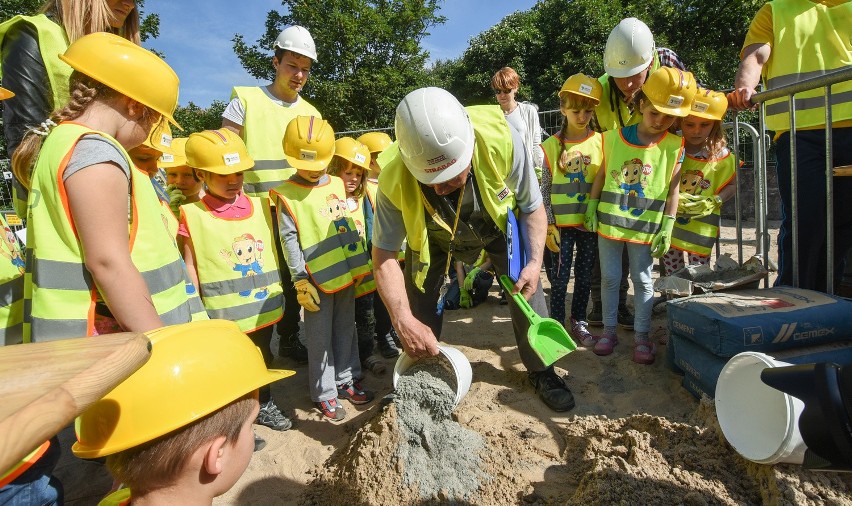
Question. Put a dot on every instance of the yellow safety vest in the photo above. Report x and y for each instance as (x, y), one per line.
(52, 41)
(121, 497)
(810, 39)
(237, 264)
(59, 291)
(569, 193)
(263, 133)
(703, 177)
(611, 116)
(372, 192)
(11, 287)
(368, 283)
(492, 162)
(25, 463)
(636, 186)
(333, 249)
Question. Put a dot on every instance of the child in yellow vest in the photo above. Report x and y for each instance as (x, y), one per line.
(326, 257)
(227, 240)
(184, 445)
(571, 159)
(634, 200)
(351, 164)
(705, 182)
(386, 336)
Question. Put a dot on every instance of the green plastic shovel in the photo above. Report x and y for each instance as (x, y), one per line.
(547, 337)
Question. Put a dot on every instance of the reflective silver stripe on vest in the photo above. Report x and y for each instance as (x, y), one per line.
(339, 269)
(52, 330)
(633, 224)
(12, 335)
(58, 275)
(270, 164)
(230, 286)
(247, 310)
(177, 315)
(165, 277)
(568, 209)
(330, 244)
(11, 290)
(571, 188)
(632, 201)
(779, 81)
(693, 238)
(710, 219)
(260, 188)
(808, 103)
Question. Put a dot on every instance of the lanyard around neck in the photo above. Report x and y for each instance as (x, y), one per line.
(443, 224)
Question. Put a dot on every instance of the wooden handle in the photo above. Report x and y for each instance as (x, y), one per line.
(45, 385)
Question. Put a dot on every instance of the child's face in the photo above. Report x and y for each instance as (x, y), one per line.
(351, 176)
(311, 176)
(577, 118)
(183, 178)
(653, 121)
(696, 130)
(224, 186)
(145, 159)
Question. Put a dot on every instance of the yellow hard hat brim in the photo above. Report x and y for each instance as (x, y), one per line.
(4, 94)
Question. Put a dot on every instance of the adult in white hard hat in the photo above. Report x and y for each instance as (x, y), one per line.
(259, 115)
(629, 57)
(469, 169)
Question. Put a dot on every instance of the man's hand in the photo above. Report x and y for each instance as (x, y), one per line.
(740, 99)
(552, 241)
(528, 280)
(417, 339)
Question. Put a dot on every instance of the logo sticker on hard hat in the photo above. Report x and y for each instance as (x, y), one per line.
(585, 88)
(674, 101)
(231, 158)
(700, 106)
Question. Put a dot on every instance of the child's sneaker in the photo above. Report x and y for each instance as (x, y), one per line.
(331, 409)
(272, 417)
(606, 344)
(375, 365)
(643, 352)
(353, 392)
(581, 334)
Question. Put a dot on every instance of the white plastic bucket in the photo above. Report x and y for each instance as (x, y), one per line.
(760, 422)
(458, 362)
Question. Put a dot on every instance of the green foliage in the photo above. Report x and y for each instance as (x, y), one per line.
(368, 50)
(193, 118)
(9, 8)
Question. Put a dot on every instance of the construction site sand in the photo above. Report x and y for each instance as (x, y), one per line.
(635, 437)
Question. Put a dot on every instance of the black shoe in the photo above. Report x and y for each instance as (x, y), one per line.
(552, 390)
(625, 317)
(395, 337)
(300, 353)
(503, 300)
(259, 443)
(595, 318)
(272, 417)
(387, 346)
(287, 344)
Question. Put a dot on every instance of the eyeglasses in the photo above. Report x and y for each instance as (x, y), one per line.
(501, 92)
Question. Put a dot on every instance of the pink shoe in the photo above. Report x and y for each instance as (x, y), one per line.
(581, 334)
(605, 345)
(643, 352)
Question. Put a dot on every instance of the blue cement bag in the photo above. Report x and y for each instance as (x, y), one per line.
(764, 320)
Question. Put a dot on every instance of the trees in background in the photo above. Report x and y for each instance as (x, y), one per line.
(369, 55)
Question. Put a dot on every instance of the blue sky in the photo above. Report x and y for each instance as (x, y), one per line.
(195, 36)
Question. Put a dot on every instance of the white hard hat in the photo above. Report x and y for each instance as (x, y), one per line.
(297, 39)
(629, 48)
(435, 135)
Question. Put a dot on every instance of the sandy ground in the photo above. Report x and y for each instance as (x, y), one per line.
(635, 437)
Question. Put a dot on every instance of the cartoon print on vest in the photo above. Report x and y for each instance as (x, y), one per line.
(10, 249)
(633, 179)
(575, 166)
(693, 183)
(334, 211)
(248, 262)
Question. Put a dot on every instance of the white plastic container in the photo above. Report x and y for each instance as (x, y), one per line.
(760, 422)
(458, 362)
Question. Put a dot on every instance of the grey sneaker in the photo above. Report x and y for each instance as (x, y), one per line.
(272, 417)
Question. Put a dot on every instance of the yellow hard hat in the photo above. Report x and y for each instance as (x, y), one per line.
(219, 151)
(671, 90)
(128, 69)
(177, 157)
(376, 142)
(308, 143)
(583, 85)
(709, 104)
(4, 94)
(353, 151)
(195, 368)
(160, 138)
